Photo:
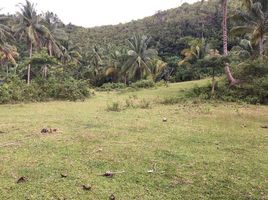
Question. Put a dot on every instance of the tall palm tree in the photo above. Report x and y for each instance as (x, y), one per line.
(227, 70)
(29, 26)
(139, 57)
(224, 4)
(255, 20)
(55, 34)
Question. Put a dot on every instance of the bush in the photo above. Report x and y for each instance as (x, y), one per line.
(114, 107)
(186, 73)
(171, 100)
(144, 104)
(112, 86)
(253, 88)
(15, 90)
(143, 84)
(72, 90)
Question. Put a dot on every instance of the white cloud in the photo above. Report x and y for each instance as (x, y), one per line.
(90, 13)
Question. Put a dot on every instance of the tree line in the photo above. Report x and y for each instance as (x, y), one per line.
(208, 38)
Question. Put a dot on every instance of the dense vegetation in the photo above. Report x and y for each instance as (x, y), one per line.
(50, 60)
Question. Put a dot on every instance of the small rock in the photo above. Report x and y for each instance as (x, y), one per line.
(264, 126)
(86, 187)
(164, 119)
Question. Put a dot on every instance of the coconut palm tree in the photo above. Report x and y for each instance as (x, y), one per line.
(255, 20)
(70, 52)
(55, 34)
(139, 57)
(8, 53)
(30, 27)
(116, 60)
(224, 4)
(5, 31)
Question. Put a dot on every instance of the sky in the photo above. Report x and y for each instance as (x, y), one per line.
(90, 13)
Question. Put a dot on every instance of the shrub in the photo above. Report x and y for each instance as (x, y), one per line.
(15, 90)
(253, 88)
(170, 100)
(144, 104)
(114, 107)
(143, 84)
(112, 86)
(72, 90)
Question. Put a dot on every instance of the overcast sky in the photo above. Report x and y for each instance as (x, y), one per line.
(89, 13)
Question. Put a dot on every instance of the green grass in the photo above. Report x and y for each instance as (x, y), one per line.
(203, 151)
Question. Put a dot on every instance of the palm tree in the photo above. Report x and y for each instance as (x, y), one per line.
(70, 52)
(8, 53)
(116, 60)
(55, 34)
(5, 31)
(139, 57)
(159, 69)
(29, 26)
(224, 4)
(228, 72)
(197, 50)
(255, 20)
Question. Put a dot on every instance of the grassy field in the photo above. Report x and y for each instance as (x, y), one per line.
(203, 151)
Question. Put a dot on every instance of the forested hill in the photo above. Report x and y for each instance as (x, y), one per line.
(167, 28)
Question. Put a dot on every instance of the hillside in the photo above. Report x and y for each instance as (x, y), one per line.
(168, 29)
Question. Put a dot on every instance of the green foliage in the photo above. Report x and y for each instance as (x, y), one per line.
(113, 107)
(171, 100)
(143, 84)
(112, 86)
(14, 90)
(253, 88)
(186, 72)
(71, 89)
(144, 104)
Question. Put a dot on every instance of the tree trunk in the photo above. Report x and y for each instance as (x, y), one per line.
(224, 28)
(7, 70)
(231, 79)
(29, 66)
(213, 83)
(261, 45)
(49, 48)
(45, 71)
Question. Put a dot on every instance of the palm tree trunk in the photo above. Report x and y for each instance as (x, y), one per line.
(213, 83)
(231, 79)
(29, 66)
(49, 48)
(261, 46)
(224, 28)
(7, 69)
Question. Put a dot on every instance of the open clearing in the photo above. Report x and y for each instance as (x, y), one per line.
(203, 151)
